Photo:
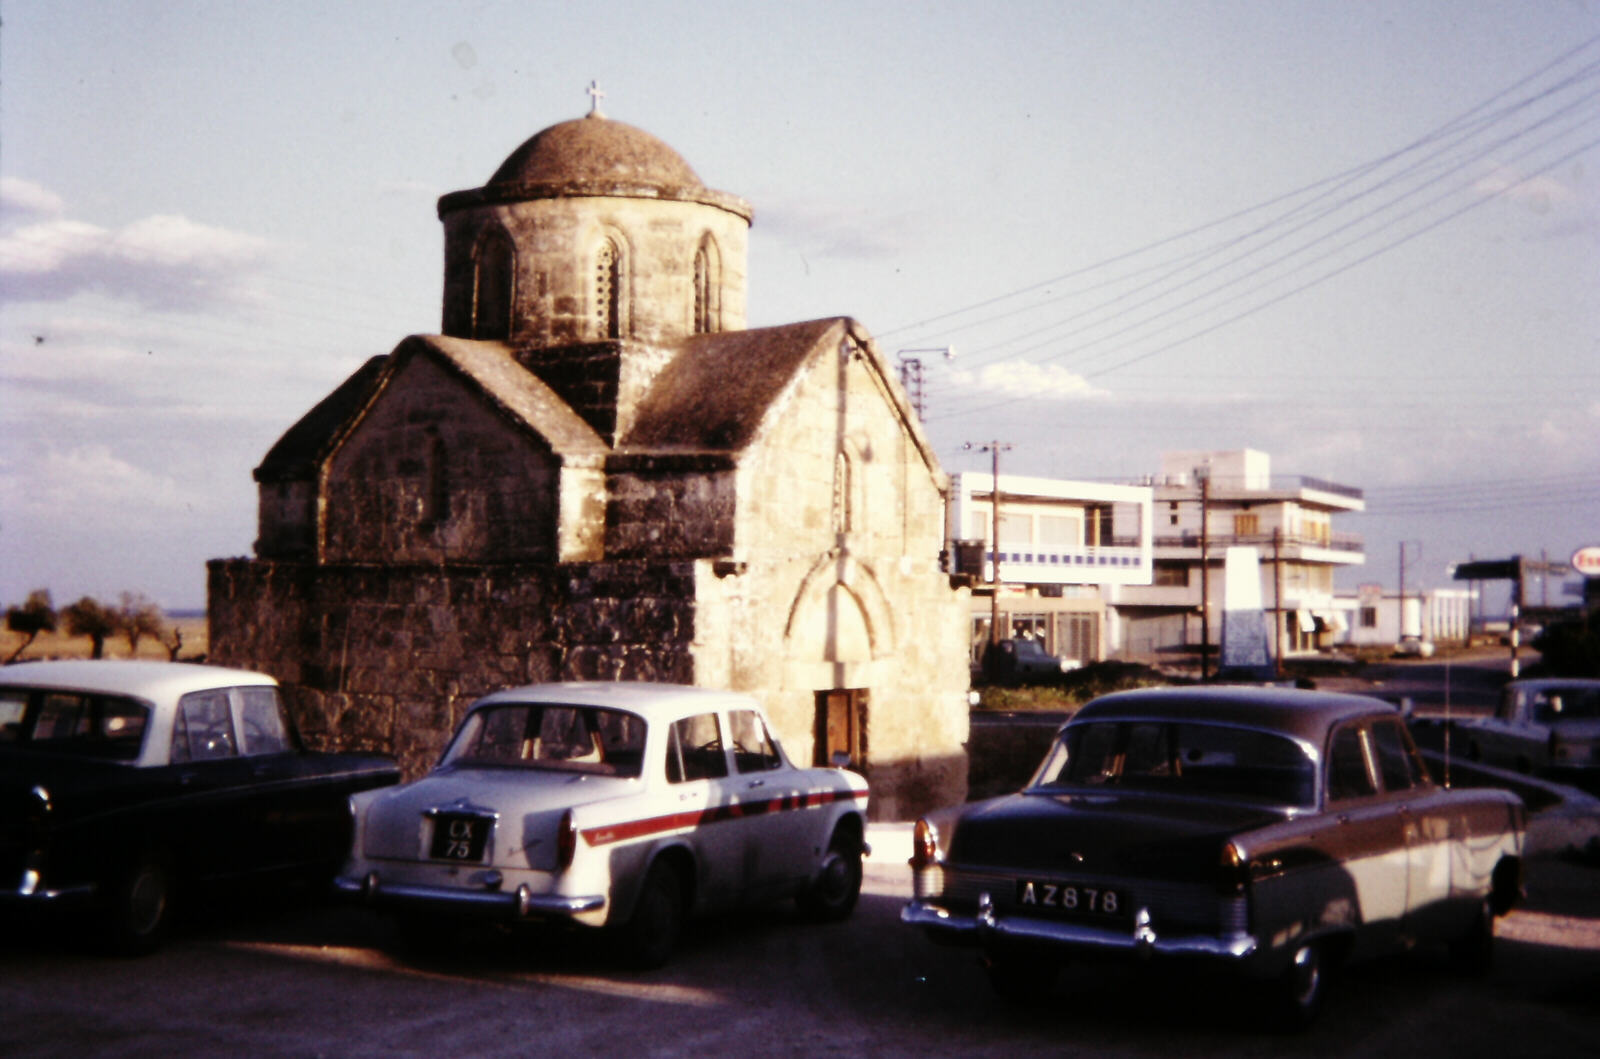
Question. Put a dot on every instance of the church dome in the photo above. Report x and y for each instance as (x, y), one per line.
(597, 151)
(593, 155)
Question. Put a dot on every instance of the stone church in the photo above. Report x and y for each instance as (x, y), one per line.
(596, 472)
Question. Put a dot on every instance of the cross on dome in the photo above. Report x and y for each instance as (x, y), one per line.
(596, 94)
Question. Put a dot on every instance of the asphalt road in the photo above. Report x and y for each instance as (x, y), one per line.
(1468, 683)
(317, 979)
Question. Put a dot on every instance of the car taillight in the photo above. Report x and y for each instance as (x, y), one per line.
(566, 841)
(1233, 871)
(924, 844)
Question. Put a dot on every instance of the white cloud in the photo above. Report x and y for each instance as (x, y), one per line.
(1542, 192)
(162, 261)
(24, 197)
(62, 480)
(1022, 378)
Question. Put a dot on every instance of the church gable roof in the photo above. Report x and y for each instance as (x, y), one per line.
(302, 447)
(718, 389)
(492, 368)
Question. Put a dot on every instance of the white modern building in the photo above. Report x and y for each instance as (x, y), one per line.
(1062, 546)
(1375, 617)
(1207, 502)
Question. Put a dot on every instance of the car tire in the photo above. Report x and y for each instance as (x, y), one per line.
(1297, 995)
(1021, 978)
(1473, 952)
(832, 896)
(139, 906)
(653, 931)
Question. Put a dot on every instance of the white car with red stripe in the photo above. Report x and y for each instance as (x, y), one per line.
(628, 806)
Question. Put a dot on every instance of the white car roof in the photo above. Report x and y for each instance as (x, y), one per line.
(649, 700)
(148, 680)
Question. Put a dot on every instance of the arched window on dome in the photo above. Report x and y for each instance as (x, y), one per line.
(608, 289)
(494, 273)
(707, 287)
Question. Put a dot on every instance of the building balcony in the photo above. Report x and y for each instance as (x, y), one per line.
(1344, 547)
(1123, 562)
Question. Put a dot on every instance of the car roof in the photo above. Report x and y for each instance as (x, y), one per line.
(1543, 683)
(140, 678)
(1305, 714)
(653, 701)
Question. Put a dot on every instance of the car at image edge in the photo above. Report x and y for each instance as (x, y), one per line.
(1270, 832)
(627, 806)
(122, 781)
(1549, 727)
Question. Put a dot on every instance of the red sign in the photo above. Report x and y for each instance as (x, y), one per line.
(1586, 561)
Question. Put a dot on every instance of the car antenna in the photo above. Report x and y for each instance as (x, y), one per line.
(1447, 724)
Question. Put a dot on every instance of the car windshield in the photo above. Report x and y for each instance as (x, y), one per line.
(1567, 704)
(550, 736)
(1206, 760)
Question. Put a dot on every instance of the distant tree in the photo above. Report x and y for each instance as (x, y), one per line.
(33, 617)
(174, 644)
(89, 617)
(137, 618)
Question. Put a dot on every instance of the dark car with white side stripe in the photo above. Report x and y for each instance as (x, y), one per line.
(628, 806)
(1271, 832)
(122, 782)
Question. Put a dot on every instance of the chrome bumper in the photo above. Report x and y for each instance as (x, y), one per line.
(520, 903)
(30, 888)
(985, 926)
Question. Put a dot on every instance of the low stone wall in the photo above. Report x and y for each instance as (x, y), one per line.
(388, 658)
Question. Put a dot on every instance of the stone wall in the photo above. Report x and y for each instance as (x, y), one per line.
(429, 475)
(388, 658)
(556, 240)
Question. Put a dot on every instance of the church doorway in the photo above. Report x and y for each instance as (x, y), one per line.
(841, 728)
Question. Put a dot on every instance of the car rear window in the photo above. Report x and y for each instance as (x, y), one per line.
(550, 736)
(73, 724)
(1567, 704)
(1209, 760)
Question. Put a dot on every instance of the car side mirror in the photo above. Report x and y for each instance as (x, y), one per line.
(840, 759)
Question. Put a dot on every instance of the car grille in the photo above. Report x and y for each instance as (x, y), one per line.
(1172, 906)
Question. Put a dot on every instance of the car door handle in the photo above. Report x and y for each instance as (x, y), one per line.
(753, 784)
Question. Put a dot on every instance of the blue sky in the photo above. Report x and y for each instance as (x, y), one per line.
(1364, 238)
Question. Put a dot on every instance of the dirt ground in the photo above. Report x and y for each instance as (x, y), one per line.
(193, 646)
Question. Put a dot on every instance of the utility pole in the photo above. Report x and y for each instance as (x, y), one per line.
(1277, 601)
(1402, 633)
(911, 374)
(1403, 590)
(1205, 577)
(994, 449)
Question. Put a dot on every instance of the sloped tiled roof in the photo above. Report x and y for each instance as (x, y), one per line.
(716, 391)
(302, 447)
(487, 366)
(494, 369)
